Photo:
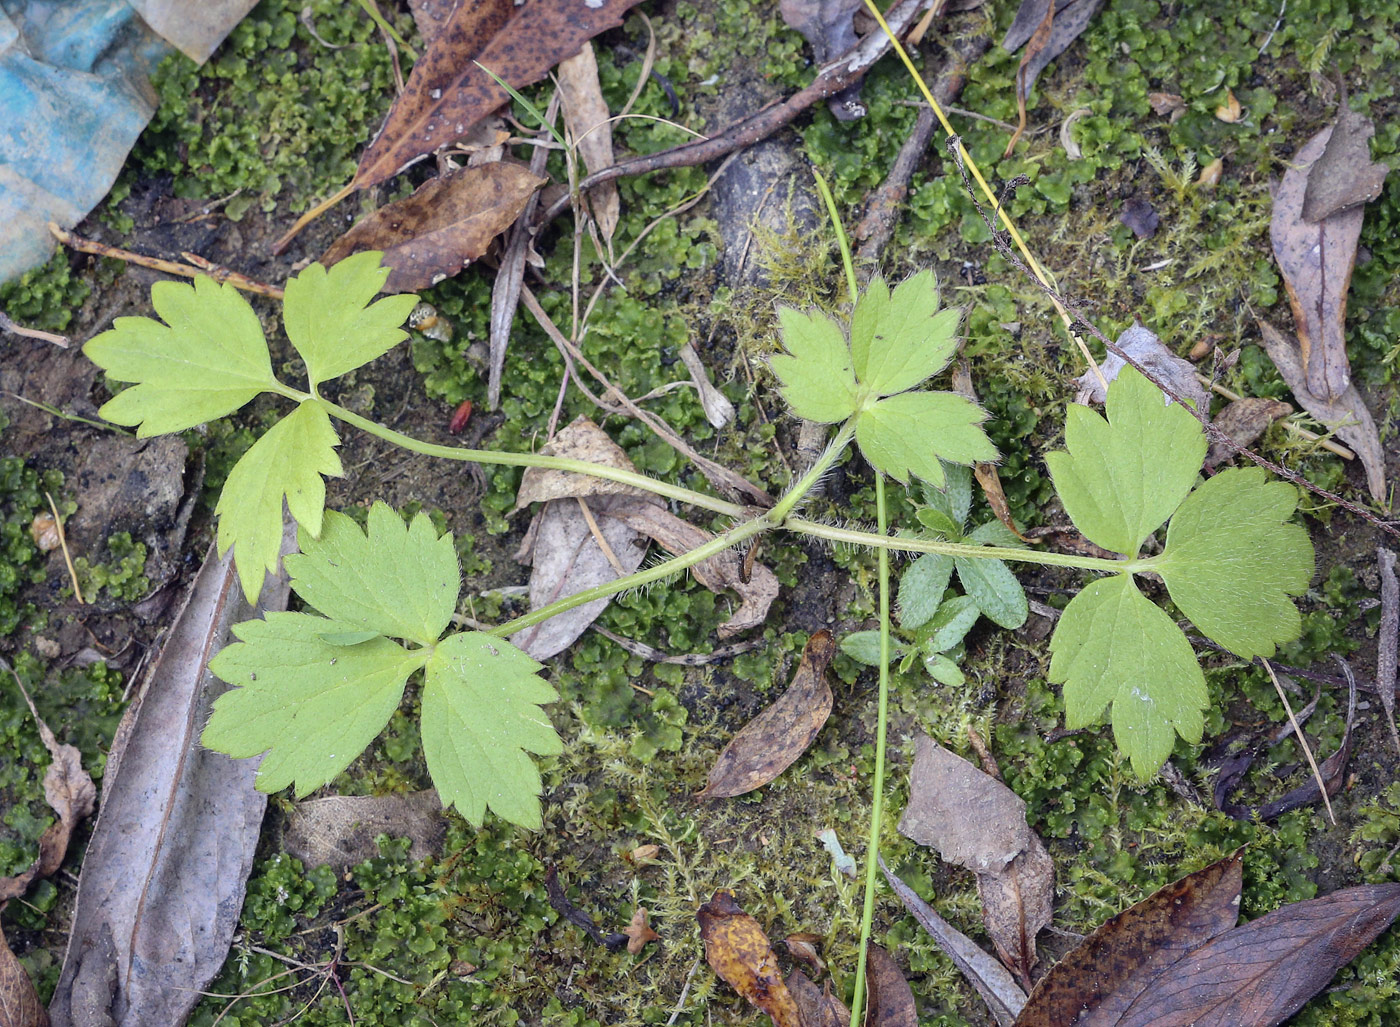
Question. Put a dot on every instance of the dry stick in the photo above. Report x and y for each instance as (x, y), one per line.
(6, 325)
(214, 271)
(599, 537)
(63, 544)
(505, 294)
(1213, 433)
(1386, 638)
(1307, 750)
(720, 476)
(655, 655)
(832, 79)
(884, 207)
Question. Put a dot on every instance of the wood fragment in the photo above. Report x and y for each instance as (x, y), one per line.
(170, 267)
(1388, 638)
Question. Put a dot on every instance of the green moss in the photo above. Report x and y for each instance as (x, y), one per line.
(122, 577)
(47, 297)
(22, 497)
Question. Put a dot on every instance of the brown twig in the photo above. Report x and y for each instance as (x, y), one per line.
(170, 267)
(14, 328)
(63, 545)
(655, 655)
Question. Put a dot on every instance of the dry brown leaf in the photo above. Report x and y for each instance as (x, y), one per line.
(1211, 174)
(985, 471)
(431, 16)
(1068, 22)
(580, 440)
(890, 1002)
(340, 830)
(19, 1002)
(1316, 261)
(1229, 111)
(722, 571)
(1164, 104)
(738, 951)
(639, 932)
(1244, 420)
(1388, 640)
(1144, 347)
(586, 116)
(975, 821)
(447, 223)
(777, 737)
(195, 29)
(44, 531)
(803, 947)
(1344, 176)
(718, 410)
(817, 1007)
(829, 27)
(1346, 416)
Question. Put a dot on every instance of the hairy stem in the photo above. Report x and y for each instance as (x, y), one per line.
(784, 507)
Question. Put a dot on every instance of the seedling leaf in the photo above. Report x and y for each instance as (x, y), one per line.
(910, 432)
(1232, 562)
(398, 579)
(1122, 477)
(899, 339)
(310, 705)
(997, 592)
(955, 498)
(330, 319)
(864, 647)
(943, 670)
(1113, 645)
(205, 361)
(481, 715)
(818, 383)
(949, 625)
(921, 589)
(288, 460)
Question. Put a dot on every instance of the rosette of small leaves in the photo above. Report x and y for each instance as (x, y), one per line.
(896, 341)
(207, 357)
(1232, 563)
(314, 689)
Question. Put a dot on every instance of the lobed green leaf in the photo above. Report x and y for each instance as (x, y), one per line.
(900, 339)
(909, 433)
(817, 381)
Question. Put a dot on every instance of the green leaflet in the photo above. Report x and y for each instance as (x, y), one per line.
(899, 339)
(1232, 562)
(397, 579)
(310, 705)
(1113, 645)
(206, 361)
(864, 647)
(331, 322)
(997, 592)
(288, 460)
(1124, 476)
(921, 589)
(908, 433)
(481, 716)
(949, 625)
(818, 383)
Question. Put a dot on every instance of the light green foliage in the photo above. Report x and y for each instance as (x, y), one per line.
(123, 576)
(818, 382)
(331, 321)
(1229, 560)
(313, 691)
(899, 340)
(913, 431)
(206, 361)
(921, 589)
(288, 460)
(22, 491)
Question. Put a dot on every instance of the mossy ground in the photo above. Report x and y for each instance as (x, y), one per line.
(278, 117)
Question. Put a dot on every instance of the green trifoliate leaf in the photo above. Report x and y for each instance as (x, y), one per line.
(995, 590)
(818, 383)
(207, 360)
(949, 625)
(899, 339)
(1113, 645)
(481, 716)
(331, 321)
(288, 460)
(909, 433)
(1123, 477)
(311, 706)
(1232, 562)
(943, 670)
(921, 589)
(399, 580)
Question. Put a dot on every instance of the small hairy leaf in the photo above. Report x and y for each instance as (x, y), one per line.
(481, 715)
(310, 705)
(921, 589)
(288, 460)
(331, 321)
(954, 499)
(997, 592)
(910, 432)
(398, 579)
(864, 647)
(1232, 561)
(1123, 477)
(943, 670)
(1114, 645)
(206, 361)
(899, 339)
(818, 383)
(949, 625)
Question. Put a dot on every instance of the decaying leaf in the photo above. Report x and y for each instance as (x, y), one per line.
(559, 899)
(718, 410)
(70, 793)
(44, 531)
(586, 116)
(19, 1002)
(449, 90)
(816, 1007)
(829, 26)
(1094, 985)
(985, 471)
(639, 932)
(1229, 110)
(1164, 104)
(738, 951)
(1244, 420)
(1346, 415)
(1140, 216)
(447, 223)
(890, 1002)
(1344, 176)
(340, 830)
(773, 741)
(581, 440)
(196, 29)
(1062, 26)
(975, 821)
(992, 980)
(803, 947)
(1211, 174)
(1316, 260)
(1144, 347)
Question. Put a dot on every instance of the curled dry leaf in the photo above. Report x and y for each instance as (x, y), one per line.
(1144, 347)
(1210, 175)
(817, 1007)
(586, 116)
(803, 947)
(1244, 420)
(1063, 22)
(1344, 176)
(975, 821)
(1164, 104)
(773, 741)
(19, 1002)
(1229, 110)
(738, 951)
(891, 1002)
(1316, 260)
(718, 410)
(829, 26)
(639, 932)
(44, 531)
(985, 471)
(447, 223)
(1345, 415)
